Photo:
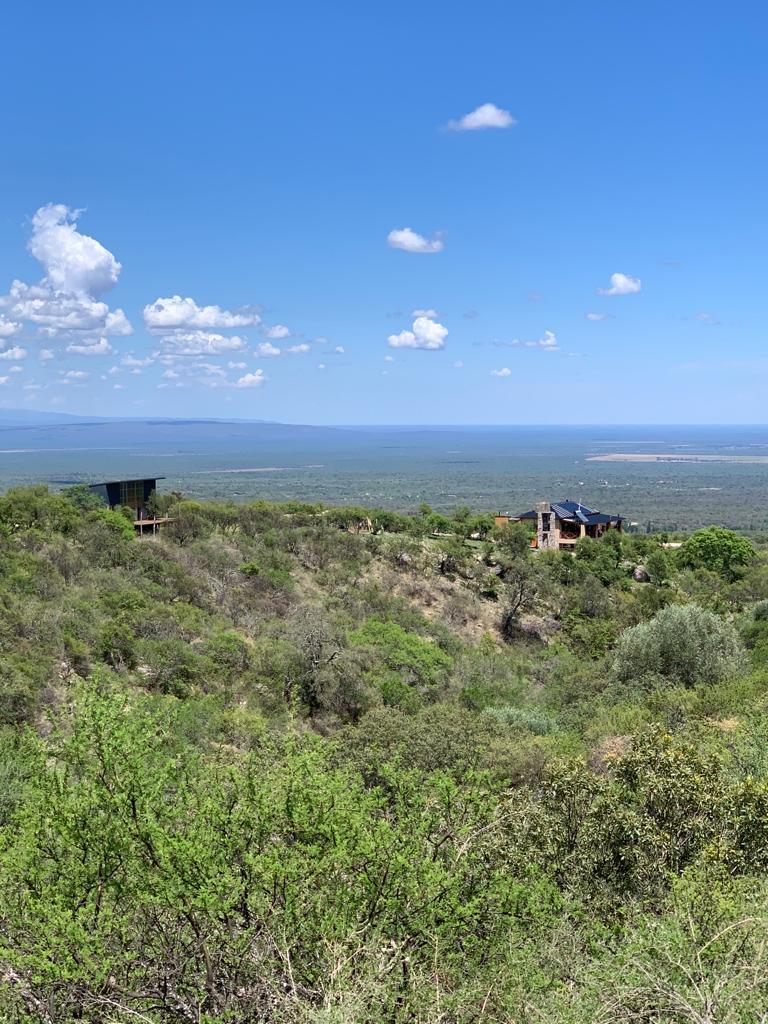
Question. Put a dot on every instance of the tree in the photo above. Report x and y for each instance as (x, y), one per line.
(717, 549)
(685, 643)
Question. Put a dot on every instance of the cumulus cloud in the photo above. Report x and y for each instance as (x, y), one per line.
(411, 241)
(267, 350)
(4, 380)
(389, 359)
(14, 353)
(622, 284)
(548, 342)
(251, 380)
(176, 313)
(276, 332)
(74, 374)
(426, 334)
(46, 354)
(8, 327)
(91, 348)
(200, 343)
(503, 372)
(487, 115)
(321, 366)
(299, 349)
(431, 313)
(77, 271)
(131, 360)
(339, 350)
(596, 316)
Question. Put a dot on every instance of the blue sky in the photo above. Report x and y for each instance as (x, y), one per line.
(256, 159)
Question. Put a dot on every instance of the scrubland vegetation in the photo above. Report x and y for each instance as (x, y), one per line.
(287, 764)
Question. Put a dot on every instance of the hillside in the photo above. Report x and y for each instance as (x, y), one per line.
(288, 763)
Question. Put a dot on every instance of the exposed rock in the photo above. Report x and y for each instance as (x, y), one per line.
(539, 627)
(641, 574)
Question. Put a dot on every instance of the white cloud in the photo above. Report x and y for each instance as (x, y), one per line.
(131, 360)
(46, 354)
(708, 318)
(59, 313)
(74, 263)
(16, 369)
(231, 365)
(117, 387)
(251, 380)
(299, 349)
(91, 348)
(74, 374)
(487, 115)
(4, 380)
(503, 372)
(172, 375)
(321, 366)
(596, 316)
(8, 327)
(200, 343)
(549, 341)
(14, 353)
(431, 313)
(174, 313)
(389, 359)
(622, 284)
(339, 350)
(426, 334)
(277, 332)
(77, 270)
(459, 365)
(411, 241)
(267, 350)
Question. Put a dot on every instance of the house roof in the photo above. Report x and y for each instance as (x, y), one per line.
(130, 480)
(575, 512)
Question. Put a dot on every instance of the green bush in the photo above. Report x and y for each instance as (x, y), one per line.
(685, 643)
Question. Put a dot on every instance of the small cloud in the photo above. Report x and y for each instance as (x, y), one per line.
(622, 284)
(200, 343)
(459, 365)
(131, 360)
(503, 372)
(597, 316)
(16, 369)
(431, 313)
(339, 350)
(389, 359)
(411, 241)
(471, 314)
(74, 374)
(117, 387)
(251, 380)
(4, 380)
(232, 366)
(46, 354)
(276, 332)
(535, 296)
(8, 327)
(172, 375)
(175, 312)
(267, 350)
(487, 115)
(426, 334)
(321, 366)
(708, 318)
(298, 350)
(91, 348)
(14, 353)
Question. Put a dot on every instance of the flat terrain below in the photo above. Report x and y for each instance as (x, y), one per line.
(675, 457)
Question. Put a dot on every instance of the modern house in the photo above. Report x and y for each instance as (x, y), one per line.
(560, 524)
(133, 494)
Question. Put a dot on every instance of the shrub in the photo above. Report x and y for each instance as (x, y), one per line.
(686, 643)
(718, 550)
